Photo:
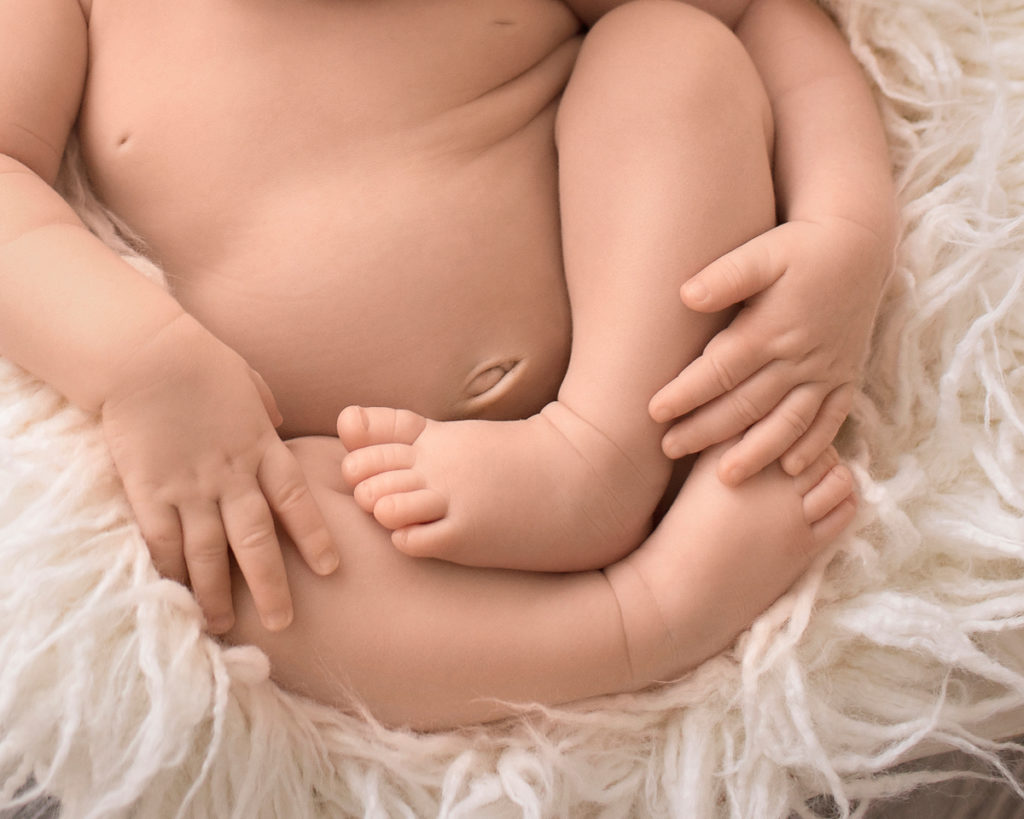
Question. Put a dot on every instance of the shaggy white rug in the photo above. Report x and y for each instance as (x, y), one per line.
(113, 700)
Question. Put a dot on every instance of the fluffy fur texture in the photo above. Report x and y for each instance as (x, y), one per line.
(113, 699)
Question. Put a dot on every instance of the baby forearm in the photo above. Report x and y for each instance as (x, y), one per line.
(71, 311)
(831, 159)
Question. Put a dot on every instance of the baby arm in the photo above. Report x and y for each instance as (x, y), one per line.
(190, 425)
(786, 368)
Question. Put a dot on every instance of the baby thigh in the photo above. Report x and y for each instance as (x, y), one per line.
(424, 643)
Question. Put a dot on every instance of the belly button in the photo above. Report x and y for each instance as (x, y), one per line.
(485, 380)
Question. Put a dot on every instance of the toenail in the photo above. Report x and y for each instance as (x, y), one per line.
(840, 473)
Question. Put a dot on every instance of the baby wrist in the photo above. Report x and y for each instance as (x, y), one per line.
(156, 352)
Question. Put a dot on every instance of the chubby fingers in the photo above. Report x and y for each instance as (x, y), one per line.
(249, 527)
(796, 431)
(729, 359)
(732, 278)
(285, 488)
(161, 529)
(728, 415)
(775, 434)
(188, 545)
(205, 551)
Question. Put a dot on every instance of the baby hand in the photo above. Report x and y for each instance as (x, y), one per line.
(786, 368)
(191, 430)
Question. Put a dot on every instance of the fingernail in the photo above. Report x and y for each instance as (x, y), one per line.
(735, 475)
(695, 291)
(219, 625)
(278, 621)
(327, 563)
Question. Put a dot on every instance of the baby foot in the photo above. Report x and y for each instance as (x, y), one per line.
(548, 493)
(721, 556)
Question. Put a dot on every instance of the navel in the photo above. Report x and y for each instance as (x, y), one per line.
(489, 378)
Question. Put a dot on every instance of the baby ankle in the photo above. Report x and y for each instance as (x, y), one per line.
(650, 651)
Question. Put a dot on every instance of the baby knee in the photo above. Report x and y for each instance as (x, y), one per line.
(665, 44)
(653, 23)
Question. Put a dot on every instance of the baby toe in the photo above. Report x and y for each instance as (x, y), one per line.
(833, 524)
(368, 492)
(365, 463)
(812, 474)
(366, 426)
(828, 494)
(410, 508)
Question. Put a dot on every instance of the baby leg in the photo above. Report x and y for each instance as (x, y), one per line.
(429, 644)
(425, 643)
(664, 164)
(720, 556)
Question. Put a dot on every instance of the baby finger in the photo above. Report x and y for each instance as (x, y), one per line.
(727, 361)
(161, 529)
(731, 278)
(773, 435)
(727, 416)
(206, 553)
(250, 531)
(286, 490)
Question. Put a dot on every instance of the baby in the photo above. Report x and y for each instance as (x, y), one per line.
(574, 486)
(360, 202)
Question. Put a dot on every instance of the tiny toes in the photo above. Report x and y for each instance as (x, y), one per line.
(812, 474)
(410, 508)
(365, 463)
(352, 424)
(832, 525)
(834, 488)
(365, 426)
(371, 490)
(432, 539)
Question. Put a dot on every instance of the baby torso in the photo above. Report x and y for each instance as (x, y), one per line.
(359, 196)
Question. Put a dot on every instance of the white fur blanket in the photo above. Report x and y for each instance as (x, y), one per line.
(112, 698)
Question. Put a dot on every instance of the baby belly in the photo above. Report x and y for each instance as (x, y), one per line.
(435, 286)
